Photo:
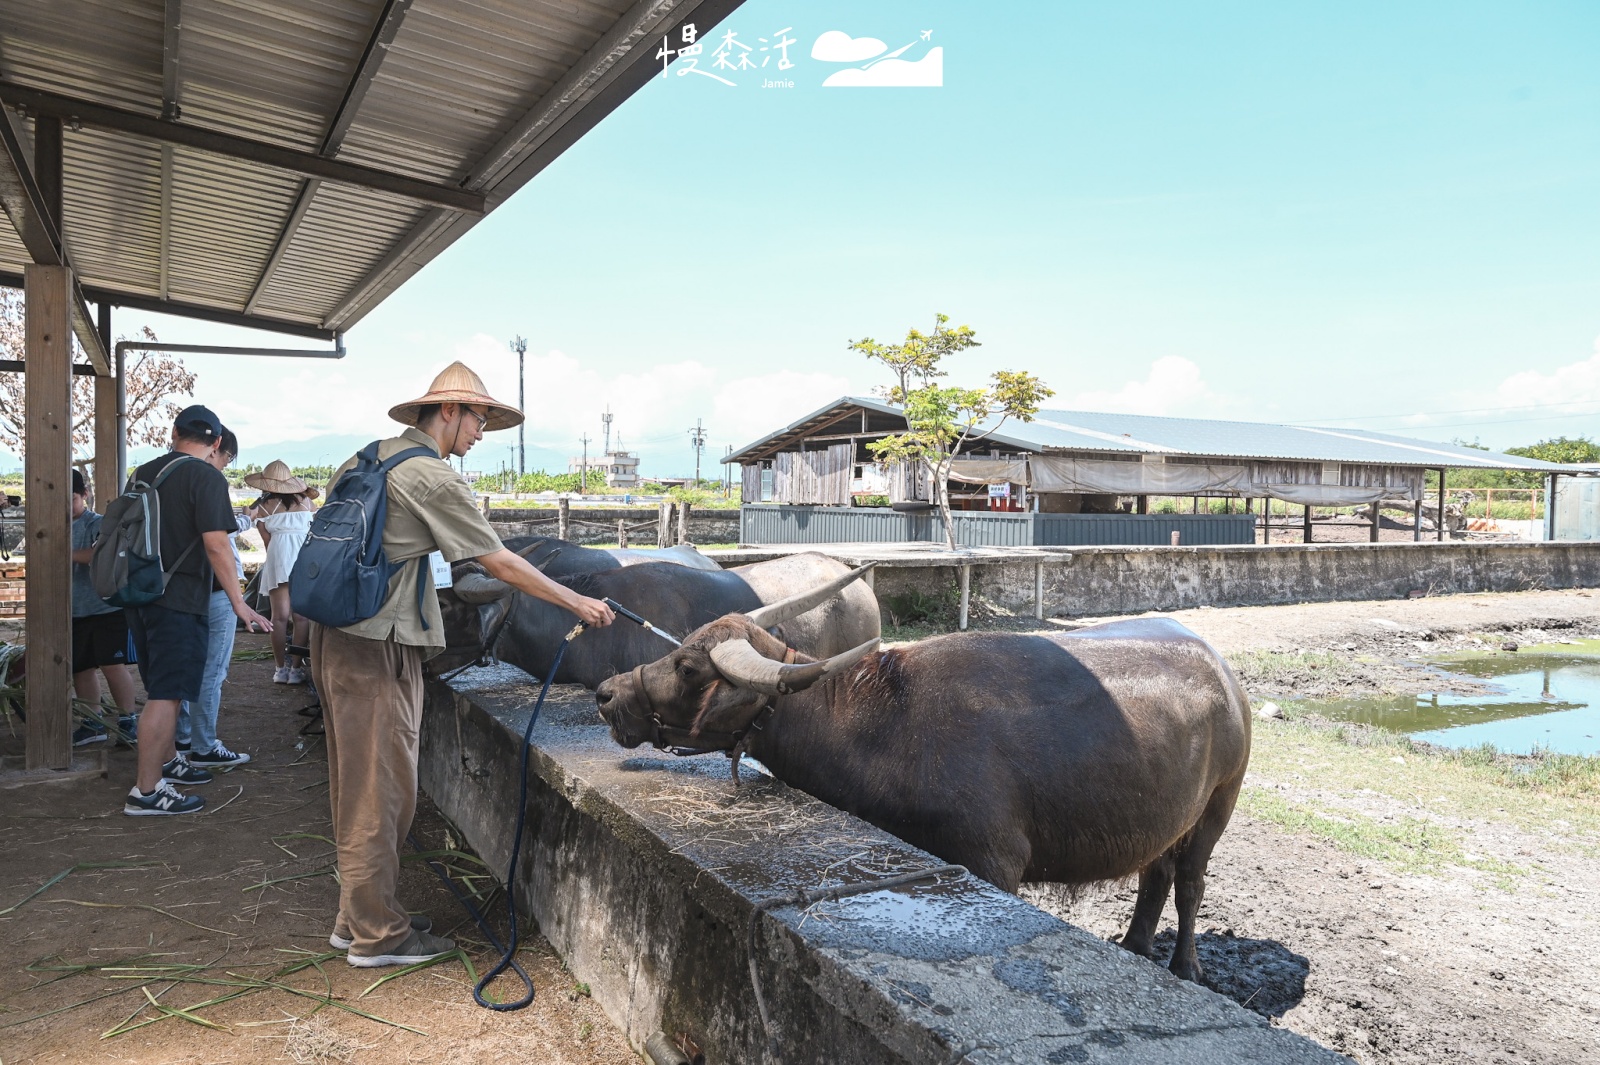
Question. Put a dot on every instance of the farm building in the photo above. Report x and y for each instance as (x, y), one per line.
(1081, 477)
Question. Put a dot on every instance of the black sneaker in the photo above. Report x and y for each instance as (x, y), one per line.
(219, 757)
(179, 771)
(128, 726)
(164, 800)
(85, 734)
(419, 946)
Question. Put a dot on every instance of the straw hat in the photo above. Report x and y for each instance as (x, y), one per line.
(276, 478)
(458, 384)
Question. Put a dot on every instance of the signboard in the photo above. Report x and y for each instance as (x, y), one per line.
(999, 491)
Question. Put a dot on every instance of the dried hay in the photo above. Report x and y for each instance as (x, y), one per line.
(312, 1041)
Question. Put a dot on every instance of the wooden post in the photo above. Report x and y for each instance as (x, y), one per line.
(1416, 520)
(485, 505)
(1374, 537)
(683, 523)
(1038, 590)
(664, 524)
(1441, 504)
(622, 533)
(1177, 538)
(1142, 505)
(108, 474)
(966, 595)
(1305, 520)
(48, 464)
(563, 518)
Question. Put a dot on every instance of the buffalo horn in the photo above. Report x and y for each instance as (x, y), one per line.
(745, 667)
(777, 613)
(478, 589)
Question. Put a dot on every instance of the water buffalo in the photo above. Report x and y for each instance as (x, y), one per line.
(562, 558)
(674, 597)
(1070, 758)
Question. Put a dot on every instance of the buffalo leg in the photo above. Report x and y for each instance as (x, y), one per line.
(1193, 858)
(1155, 881)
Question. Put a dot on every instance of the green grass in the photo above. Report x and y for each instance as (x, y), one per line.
(1272, 668)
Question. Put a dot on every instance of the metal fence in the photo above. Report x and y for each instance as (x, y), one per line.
(836, 525)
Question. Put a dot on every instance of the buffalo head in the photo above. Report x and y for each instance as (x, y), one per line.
(707, 692)
(474, 609)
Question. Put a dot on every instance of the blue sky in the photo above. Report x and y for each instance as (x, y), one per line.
(1375, 215)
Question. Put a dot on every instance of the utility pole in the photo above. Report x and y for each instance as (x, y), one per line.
(520, 346)
(697, 437)
(606, 421)
(727, 472)
(583, 482)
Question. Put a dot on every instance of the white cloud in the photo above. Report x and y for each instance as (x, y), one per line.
(836, 46)
(749, 408)
(1569, 385)
(927, 72)
(1173, 386)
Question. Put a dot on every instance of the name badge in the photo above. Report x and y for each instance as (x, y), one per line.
(441, 570)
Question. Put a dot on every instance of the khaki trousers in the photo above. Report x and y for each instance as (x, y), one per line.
(371, 693)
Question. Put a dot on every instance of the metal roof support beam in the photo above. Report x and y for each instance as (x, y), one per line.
(166, 222)
(383, 34)
(116, 120)
(27, 205)
(170, 66)
(125, 346)
(180, 309)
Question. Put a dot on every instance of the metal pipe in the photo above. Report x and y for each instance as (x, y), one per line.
(216, 349)
(662, 1051)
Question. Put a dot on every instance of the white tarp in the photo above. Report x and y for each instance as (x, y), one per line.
(990, 471)
(1324, 495)
(1064, 473)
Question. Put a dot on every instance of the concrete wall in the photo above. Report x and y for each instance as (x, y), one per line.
(1119, 580)
(644, 871)
(705, 526)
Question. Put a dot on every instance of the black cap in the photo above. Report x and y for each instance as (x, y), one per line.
(77, 483)
(199, 419)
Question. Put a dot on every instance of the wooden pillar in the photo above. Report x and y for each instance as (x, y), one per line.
(1416, 520)
(485, 504)
(1374, 535)
(966, 595)
(108, 474)
(683, 523)
(1550, 507)
(1142, 506)
(664, 524)
(48, 477)
(563, 518)
(1306, 521)
(622, 533)
(1441, 505)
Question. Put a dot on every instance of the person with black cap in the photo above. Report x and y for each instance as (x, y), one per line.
(171, 634)
(99, 630)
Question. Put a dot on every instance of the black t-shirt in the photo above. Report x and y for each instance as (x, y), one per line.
(194, 500)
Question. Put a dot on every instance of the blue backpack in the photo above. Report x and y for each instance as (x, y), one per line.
(342, 574)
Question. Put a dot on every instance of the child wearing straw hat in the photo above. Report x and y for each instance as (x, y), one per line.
(369, 675)
(283, 516)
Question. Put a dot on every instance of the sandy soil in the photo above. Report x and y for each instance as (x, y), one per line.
(199, 900)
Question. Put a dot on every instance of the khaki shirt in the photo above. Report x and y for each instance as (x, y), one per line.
(430, 509)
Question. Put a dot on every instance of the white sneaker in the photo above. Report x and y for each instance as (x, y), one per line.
(297, 676)
(281, 675)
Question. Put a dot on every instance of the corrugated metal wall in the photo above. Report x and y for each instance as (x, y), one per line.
(839, 525)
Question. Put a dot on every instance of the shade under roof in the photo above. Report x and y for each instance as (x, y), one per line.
(461, 102)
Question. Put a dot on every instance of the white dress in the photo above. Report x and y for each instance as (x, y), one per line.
(288, 529)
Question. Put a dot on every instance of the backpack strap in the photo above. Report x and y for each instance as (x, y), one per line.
(388, 464)
(166, 574)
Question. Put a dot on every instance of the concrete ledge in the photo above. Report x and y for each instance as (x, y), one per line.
(1091, 581)
(643, 870)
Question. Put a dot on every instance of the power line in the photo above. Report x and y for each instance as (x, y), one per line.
(1464, 410)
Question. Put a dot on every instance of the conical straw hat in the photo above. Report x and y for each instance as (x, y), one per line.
(458, 384)
(276, 478)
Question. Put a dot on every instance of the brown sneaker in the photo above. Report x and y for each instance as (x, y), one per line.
(419, 946)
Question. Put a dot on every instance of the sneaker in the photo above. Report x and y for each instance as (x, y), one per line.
(419, 923)
(85, 734)
(128, 725)
(179, 771)
(281, 675)
(297, 675)
(419, 946)
(219, 757)
(164, 800)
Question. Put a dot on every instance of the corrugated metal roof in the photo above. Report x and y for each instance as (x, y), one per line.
(1093, 432)
(479, 94)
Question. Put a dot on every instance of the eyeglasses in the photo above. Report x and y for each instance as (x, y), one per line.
(483, 419)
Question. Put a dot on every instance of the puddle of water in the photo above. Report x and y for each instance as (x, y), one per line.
(1546, 696)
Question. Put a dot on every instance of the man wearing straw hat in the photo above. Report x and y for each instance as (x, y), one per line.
(369, 675)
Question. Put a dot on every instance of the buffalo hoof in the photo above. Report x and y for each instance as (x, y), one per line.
(1144, 950)
(1187, 969)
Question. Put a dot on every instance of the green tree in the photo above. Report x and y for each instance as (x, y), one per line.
(918, 355)
(942, 421)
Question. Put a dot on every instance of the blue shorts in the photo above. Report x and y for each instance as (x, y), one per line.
(171, 648)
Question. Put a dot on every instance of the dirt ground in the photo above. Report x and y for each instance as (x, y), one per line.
(1387, 905)
(210, 890)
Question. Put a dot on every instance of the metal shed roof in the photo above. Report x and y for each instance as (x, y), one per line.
(290, 164)
(1088, 432)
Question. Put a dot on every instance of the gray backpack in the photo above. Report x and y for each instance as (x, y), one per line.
(127, 567)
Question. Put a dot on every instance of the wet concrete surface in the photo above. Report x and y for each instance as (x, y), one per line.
(643, 870)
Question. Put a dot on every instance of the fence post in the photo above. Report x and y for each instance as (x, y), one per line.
(664, 524)
(622, 533)
(486, 506)
(1038, 590)
(966, 595)
(563, 518)
(683, 523)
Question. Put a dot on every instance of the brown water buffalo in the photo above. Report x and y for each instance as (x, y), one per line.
(1070, 758)
(679, 599)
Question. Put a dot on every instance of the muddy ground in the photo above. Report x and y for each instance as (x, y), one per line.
(1395, 906)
